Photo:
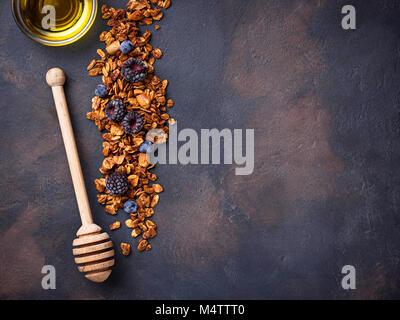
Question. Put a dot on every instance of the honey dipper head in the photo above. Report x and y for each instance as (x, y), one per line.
(55, 77)
(94, 255)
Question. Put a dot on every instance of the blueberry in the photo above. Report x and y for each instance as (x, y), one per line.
(126, 47)
(145, 146)
(101, 91)
(130, 206)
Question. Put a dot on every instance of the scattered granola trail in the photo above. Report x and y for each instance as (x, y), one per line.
(147, 98)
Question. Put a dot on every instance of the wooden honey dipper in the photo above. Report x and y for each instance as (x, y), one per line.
(93, 250)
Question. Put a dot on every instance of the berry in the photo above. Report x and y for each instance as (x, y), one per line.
(132, 123)
(126, 47)
(101, 91)
(145, 146)
(134, 70)
(117, 184)
(115, 110)
(130, 206)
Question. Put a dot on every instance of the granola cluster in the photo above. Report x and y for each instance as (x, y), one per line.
(147, 98)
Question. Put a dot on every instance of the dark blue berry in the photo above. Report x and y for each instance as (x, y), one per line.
(126, 46)
(145, 146)
(101, 91)
(130, 206)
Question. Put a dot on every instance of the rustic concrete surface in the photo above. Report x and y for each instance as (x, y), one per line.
(325, 192)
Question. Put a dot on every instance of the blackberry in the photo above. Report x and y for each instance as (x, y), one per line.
(115, 110)
(117, 184)
(134, 70)
(132, 123)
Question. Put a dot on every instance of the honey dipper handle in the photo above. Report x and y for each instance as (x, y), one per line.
(55, 79)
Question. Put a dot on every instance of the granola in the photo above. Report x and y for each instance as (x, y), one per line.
(125, 248)
(115, 225)
(147, 98)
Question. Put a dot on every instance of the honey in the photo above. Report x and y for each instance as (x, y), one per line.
(55, 22)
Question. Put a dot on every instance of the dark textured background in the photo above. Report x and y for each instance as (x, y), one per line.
(325, 192)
